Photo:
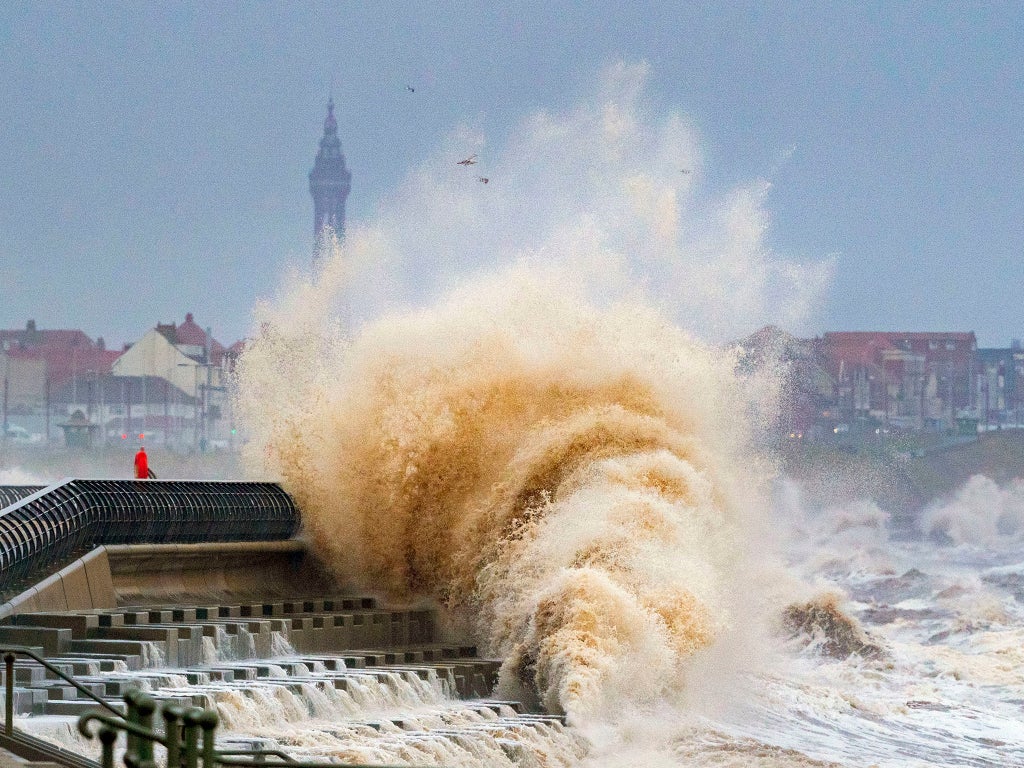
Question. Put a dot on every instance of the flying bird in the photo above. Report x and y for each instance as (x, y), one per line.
(684, 170)
(471, 160)
(484, 179)
(410, 89)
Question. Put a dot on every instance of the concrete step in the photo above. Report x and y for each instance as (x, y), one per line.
(321, 624)
(82, 665)
(27, 701)
(53, 640)
(141, 650)
(77, 707)
(131, 661)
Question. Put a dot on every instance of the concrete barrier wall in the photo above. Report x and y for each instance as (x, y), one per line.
(84, 584)
(173, 574)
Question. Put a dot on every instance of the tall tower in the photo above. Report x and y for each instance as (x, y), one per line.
(329, 181)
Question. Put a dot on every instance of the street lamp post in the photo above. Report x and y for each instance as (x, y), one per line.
(198, 413)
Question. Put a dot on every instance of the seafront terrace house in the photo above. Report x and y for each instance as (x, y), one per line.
(868, 381)
(999, 386)
(197, 368)
(806, 387)
(903, 380)
(125, 407)
(36, 362)
(170, 386)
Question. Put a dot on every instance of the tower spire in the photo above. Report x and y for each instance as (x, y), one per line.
(329, 181)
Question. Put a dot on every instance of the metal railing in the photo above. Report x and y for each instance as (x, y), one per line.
(11, 494)
(43, 530)
(9, 655)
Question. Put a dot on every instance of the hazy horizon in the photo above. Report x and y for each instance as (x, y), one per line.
(157, 158)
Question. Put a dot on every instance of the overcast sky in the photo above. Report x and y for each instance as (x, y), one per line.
(154, 157)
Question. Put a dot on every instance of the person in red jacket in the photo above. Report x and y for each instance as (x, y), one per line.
(141, 465)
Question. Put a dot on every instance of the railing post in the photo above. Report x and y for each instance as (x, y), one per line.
(191, 731)
(131, 715)
(107, 738)
(146, 708)
(172, 733)
(9, 694)
(208, 722)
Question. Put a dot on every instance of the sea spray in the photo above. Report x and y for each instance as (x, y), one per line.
(542, 452)
(574, 479)
(981, 513)
(18, 476)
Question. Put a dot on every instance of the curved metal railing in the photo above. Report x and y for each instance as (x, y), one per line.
(11, 494)
(43, 530)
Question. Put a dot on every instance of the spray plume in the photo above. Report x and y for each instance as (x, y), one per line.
(540, 450)
(567, 475)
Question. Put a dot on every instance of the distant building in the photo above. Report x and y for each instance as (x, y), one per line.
(121, 408)
(66, 353)
(999, 386)
(806, 387)
(909, 380)
(23, 377)
(34, 362)
(190, 361)
(329, 181)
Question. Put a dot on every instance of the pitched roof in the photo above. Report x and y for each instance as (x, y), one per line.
(64, 338)
(65, 364)
(192, 334)
(855, 347)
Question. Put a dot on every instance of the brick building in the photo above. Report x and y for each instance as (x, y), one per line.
(910, 380)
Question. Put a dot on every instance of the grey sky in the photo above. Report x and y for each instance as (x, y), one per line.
(154, 158)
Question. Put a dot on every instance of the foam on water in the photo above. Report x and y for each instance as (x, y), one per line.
(542, 451)
(589, 501)
(571, 478)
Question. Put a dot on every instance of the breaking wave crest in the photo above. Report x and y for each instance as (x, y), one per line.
(980, 513)
(569, 481)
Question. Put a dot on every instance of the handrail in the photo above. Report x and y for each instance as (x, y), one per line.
(12, 494)
(45, 528)
(9, 653)
(182, 726)
(180, 738)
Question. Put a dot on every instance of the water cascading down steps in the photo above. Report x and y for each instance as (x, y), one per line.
(317, 673)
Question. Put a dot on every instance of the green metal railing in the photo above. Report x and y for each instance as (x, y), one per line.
(10, 653)
(188, 735)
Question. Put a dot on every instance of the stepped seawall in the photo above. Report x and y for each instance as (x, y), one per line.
(259, 632)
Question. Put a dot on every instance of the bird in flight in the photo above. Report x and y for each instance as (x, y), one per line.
(471, 160)
(484, 179)
(684, 170)
(410, 89)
